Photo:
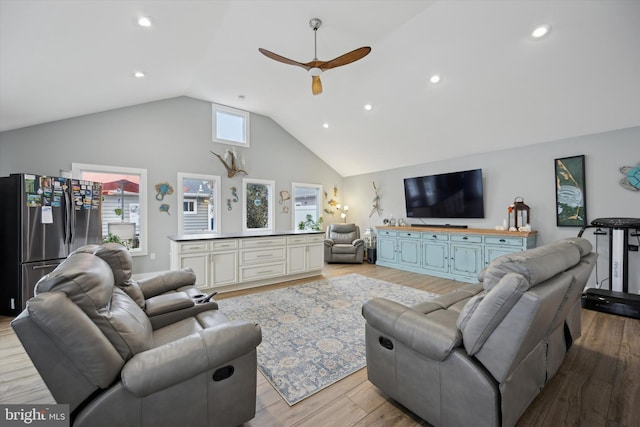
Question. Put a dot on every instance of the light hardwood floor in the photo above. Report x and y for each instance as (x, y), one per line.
(597, 385)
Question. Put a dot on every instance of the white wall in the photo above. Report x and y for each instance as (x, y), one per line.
(526, 172)
(165, 137)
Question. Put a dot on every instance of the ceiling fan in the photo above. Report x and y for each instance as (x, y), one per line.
(316, 67)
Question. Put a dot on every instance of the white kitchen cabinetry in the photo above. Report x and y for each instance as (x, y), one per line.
(235, 261)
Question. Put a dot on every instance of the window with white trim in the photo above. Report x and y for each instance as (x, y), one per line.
(199, 194)
(257, 204)
(230, 125)
(124, 199)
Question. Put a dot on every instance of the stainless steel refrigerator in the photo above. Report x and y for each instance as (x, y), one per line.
(42, 220)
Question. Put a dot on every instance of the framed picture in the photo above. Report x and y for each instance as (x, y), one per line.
(571, 200)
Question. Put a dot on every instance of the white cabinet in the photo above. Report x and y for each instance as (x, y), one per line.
(224, 263)
(195, 255)
(262, 258)
(305, 253)
(229, 263)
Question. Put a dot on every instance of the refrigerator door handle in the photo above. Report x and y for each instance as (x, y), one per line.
(67, 211)
(44, 266)
(72, 222)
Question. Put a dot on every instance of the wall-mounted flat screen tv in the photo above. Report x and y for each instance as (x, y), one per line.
(446, 195)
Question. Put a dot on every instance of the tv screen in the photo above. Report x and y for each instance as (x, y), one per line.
(447, 195)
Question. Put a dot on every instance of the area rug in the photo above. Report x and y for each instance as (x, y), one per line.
(313, 334)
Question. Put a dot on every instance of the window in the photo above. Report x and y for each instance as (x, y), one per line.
(230, 126)
(190, 207)
(200, 197)
(307, 200)
(124, 199)
(257, 204)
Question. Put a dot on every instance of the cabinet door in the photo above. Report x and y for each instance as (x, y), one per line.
(435, 256)
(493, 252)
(296, 259)
(315, 256)
(386, 250)
(224, 268)
(199, 263)
(409, 252)
(466, 260)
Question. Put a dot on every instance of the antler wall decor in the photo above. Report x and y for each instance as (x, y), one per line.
(230, 162)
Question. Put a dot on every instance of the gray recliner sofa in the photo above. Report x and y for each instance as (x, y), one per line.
(166, 297)
(480, 355)
(97, 351)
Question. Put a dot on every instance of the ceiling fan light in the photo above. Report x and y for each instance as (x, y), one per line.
(315, 71)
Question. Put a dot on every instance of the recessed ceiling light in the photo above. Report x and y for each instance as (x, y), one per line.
(144, 21)
(325, 125)
(540, 31)
(138, 74)
(435, 78)
(368, 107)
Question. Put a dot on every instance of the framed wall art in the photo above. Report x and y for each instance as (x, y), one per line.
(571, 201)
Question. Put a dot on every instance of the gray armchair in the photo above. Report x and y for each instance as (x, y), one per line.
(97, 351)
(343, 244)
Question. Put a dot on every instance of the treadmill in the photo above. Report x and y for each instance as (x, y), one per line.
(616, 299)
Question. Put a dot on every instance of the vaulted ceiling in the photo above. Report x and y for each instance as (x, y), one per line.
(499, 87)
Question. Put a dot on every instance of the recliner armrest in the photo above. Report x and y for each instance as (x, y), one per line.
(329, 242)
(358, 242)
(161, 367)
(433, 335)
(166, 281)
(165, 303)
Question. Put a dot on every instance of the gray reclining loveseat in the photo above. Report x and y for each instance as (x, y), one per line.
(98, 352)
(480, 355)
(166, 297)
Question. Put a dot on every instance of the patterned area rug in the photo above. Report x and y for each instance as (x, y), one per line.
(313, 334)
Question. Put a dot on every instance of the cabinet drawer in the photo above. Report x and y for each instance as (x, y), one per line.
(262, 271)
(465, 238)
(194, 247)
(503, 241)
(296, 240)
(409, 235)
(387, 233)
(315, 238)
(261, 242)
(224, 245)
(435, 236)
(262, 255)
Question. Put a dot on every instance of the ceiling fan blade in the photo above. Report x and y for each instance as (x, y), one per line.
(316, 85)
(345, 59)
(282, 59)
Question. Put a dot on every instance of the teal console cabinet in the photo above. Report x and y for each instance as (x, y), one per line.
(451, 253)
(386, 247)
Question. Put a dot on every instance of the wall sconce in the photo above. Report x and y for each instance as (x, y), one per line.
(344, 210)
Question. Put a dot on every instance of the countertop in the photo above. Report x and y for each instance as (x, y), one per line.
(240, 235)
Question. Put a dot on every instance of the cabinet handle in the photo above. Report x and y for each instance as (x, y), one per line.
(465, 238)
(502, 240)
(265, 271)
(264, 256)
(434, 237)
